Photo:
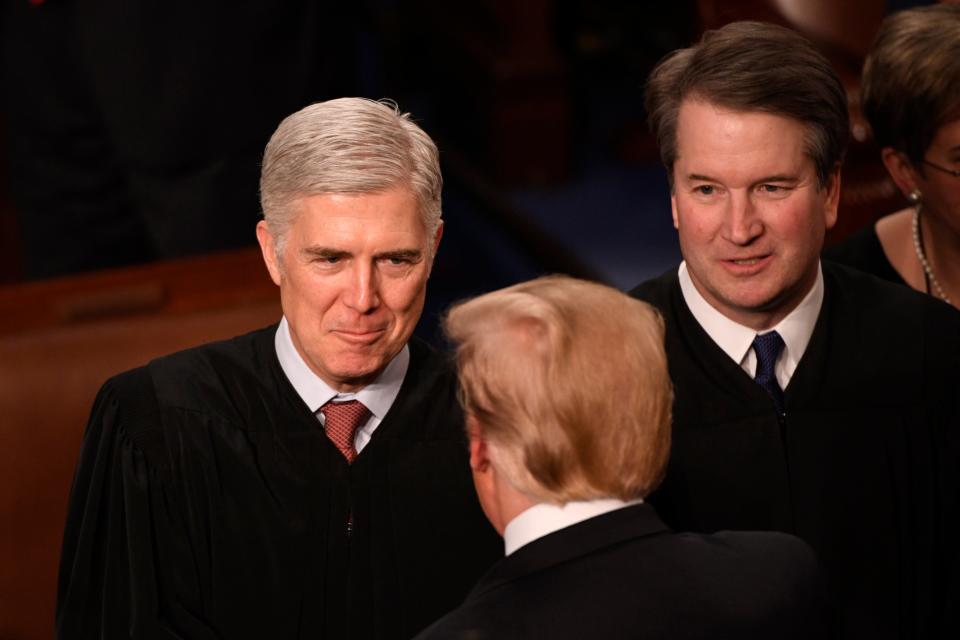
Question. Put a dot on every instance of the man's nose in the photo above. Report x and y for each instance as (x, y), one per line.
(743, 223)
(362, 294)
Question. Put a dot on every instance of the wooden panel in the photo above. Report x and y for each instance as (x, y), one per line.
(48, 380)
(59, 341)
(214, 281)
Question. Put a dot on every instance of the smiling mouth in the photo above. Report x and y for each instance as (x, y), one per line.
(359, 337)
(747, 266)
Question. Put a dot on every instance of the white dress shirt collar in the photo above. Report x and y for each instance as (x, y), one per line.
(735, 339)
(378, 396)
(542, 519)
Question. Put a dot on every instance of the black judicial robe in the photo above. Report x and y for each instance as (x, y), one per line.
(624, 574)
(209, 503)
(863, 466)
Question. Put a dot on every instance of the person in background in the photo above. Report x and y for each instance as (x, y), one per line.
(911, 97)
(567, 400)
(811, 398)
(309, 479)
(126, 122)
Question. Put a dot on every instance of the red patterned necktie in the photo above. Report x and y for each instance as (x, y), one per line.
(341, 420)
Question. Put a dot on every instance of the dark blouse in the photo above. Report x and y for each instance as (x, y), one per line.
(863, 251)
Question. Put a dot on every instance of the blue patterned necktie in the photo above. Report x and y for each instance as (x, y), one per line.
(768, 347)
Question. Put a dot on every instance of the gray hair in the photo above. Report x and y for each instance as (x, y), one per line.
(347, 145)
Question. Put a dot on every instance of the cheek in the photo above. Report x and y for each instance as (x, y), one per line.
(308, 296)
(952, 197)
(406, 294)
(799, 233)
(408, 303)
(695, 230)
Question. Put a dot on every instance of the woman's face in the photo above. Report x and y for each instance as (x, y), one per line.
(941, 190)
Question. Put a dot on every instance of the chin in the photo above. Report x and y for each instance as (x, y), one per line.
(360, 370)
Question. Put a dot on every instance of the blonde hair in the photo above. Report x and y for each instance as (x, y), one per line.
(347, 145)
(568, 380)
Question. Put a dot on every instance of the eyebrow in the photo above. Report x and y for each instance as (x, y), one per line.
(329, 252)
(413, 255)
(323, 252)
(774, 178)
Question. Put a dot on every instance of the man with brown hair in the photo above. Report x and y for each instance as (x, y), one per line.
(567, 399)
(810, 398)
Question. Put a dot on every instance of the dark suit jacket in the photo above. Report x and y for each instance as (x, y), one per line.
(624, 574)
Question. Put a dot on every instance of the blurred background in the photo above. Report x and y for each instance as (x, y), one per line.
(131, 133)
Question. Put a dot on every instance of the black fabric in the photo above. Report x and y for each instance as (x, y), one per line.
(209, 503)
(623, 574)
(863, 465)
(863, 251)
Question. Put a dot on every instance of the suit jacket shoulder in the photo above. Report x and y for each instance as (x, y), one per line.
(625, 575)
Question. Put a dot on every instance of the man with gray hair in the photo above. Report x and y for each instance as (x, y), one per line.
(309, 479)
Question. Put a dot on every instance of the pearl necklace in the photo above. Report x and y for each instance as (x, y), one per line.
(918, 246)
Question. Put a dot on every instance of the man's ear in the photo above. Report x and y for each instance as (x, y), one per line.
(436, 239)
(269, 250)
(479, 453)
(673, 209)
(436, 245)
(900, 169)
(832, 201)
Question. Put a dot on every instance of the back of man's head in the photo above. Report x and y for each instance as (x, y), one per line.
(351, 146)
(568, 380)
(753, 66)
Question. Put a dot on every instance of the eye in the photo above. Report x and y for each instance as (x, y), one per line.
(771, 188)
(396, 264)
(399, 260)
(705, 189)
(328, 261)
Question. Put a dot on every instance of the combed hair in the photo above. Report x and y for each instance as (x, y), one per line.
(911, 78)
(753, 66)
(569, 382)
(347, 145)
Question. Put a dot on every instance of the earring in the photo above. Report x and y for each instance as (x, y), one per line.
(915, 196)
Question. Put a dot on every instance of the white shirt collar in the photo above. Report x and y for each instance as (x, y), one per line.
(378, 396)
(542, 519)
(735, 339)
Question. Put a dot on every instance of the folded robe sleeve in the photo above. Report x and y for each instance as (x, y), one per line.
(124, 543)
